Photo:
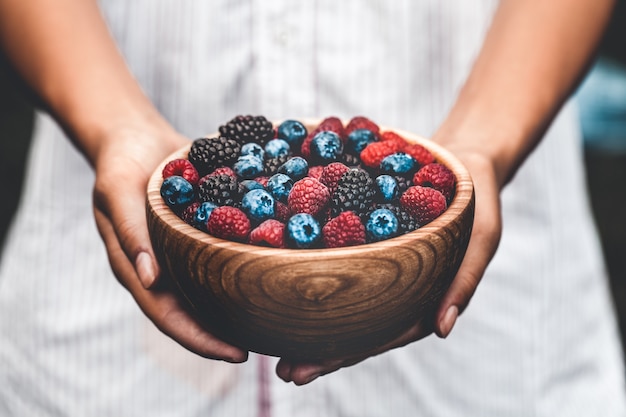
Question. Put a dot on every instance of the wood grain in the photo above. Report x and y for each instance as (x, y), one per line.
(314, 303)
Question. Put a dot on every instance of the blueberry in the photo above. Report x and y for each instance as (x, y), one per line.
(249, 185)
(279, 185)
(303, 231)
(293, 132)
(398, 163)
(177, 192)
(253, 149)
(248, 166)
(277, 147)
(381, 224)
(295, 167)
(203, 213)
(259, 205)
(326, 147)
(386, 188)
(358, 139)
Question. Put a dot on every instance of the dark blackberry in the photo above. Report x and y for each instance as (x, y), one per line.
(351, 160)
(271, 165)
(245, 129)
(403, 183)
(222, 190)
(207, 154)
(407, 223)
(355, 191)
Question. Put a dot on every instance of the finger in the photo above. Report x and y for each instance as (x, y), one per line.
(164, 308)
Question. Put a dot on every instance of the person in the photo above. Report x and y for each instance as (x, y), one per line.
(130, 82)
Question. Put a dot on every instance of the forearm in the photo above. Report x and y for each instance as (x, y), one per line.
(532, 58)
(63, 50)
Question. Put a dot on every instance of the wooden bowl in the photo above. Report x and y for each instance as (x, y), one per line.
(313, 304)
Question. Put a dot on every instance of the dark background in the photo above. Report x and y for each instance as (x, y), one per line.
(606, 170)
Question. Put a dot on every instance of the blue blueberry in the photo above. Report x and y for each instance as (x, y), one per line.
(303, 231)
(248, 185)
(202, 214)
(253, 149)
(326, 147)
(386, 188)
(358, 139)
(177, 192)
(259, 205)
(293, 132)
(398, 163)
(381, 224)
(295, 167)
(279, 185)
(277, 147)
(248, 166)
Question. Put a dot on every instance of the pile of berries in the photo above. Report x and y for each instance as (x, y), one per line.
(286, 187)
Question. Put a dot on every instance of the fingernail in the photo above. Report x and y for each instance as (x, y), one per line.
(145, 269)
(447, 322)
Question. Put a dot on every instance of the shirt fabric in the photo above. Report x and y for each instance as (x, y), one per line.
(538, 339)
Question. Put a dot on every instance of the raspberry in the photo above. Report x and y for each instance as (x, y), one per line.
(229, 223)
(222, 190)
(360, 122)
(224, 171)
(423, 203)
(207, 154)
(189, 213)
(437, 176)
(269, 233)
(332, 124)
(262, 180)
(355, 191)
(315, 171)
(344, 230)
(308, 195)
(389, 136)
(331, 174)
(244, 129)
(182, 168)
(375, 152)
(282, 212)
(420, 153)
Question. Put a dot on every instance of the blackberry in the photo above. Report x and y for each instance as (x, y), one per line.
(222, 190)
(351, 160)
(355, 191)
(246, 129)
(407, 223)
(271, 165)
(207, 154)
(403, 183)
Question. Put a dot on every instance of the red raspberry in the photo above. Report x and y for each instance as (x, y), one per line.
(308, 196)
(269, 233)
(331, 175)
(389, 136)
(375, 152)
(224, 171)
(262, 180)
(437, 176)
(333, 124)
(227, 222)
(360, 122)
(282, 212)
(420, 153)
(189, 213)
(315, 171)
(423, 203)
(344, 230)
(182, 168)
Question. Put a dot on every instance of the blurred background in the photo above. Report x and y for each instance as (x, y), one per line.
(602, 100)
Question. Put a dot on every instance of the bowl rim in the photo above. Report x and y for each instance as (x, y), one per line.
(464, 195)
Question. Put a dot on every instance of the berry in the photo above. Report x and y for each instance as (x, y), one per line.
(177, 192)
(277, 147)
(381, 224)
(437, 176)
(315, 171)
(259, 205)
(333, 124)
(423, 203)
(229, 223)
(249, 185)
(222, 190)
(360, 122)
(355, 191)
(280, 185)
(202, 215)
(271, 165)
(331, 175)
(189, 213)
(358, 139)
(295, 167)
(303, 231)
(224, 171)
(207, 154)
(182, 168)
(398, 163)
(344, 230)
(326, 147)
(386, 188)
(352, 161)
(422, 155)
(293, 132)
(269, 233)
(308, 196)
(403, 183)
(406, 222)
(244, 129)
(248, 166)
(254, 149)
(389, 136)
(375, 152)
(262, 180)
(282, 212)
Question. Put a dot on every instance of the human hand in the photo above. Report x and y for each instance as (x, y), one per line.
(125, 160)
(482, 246)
